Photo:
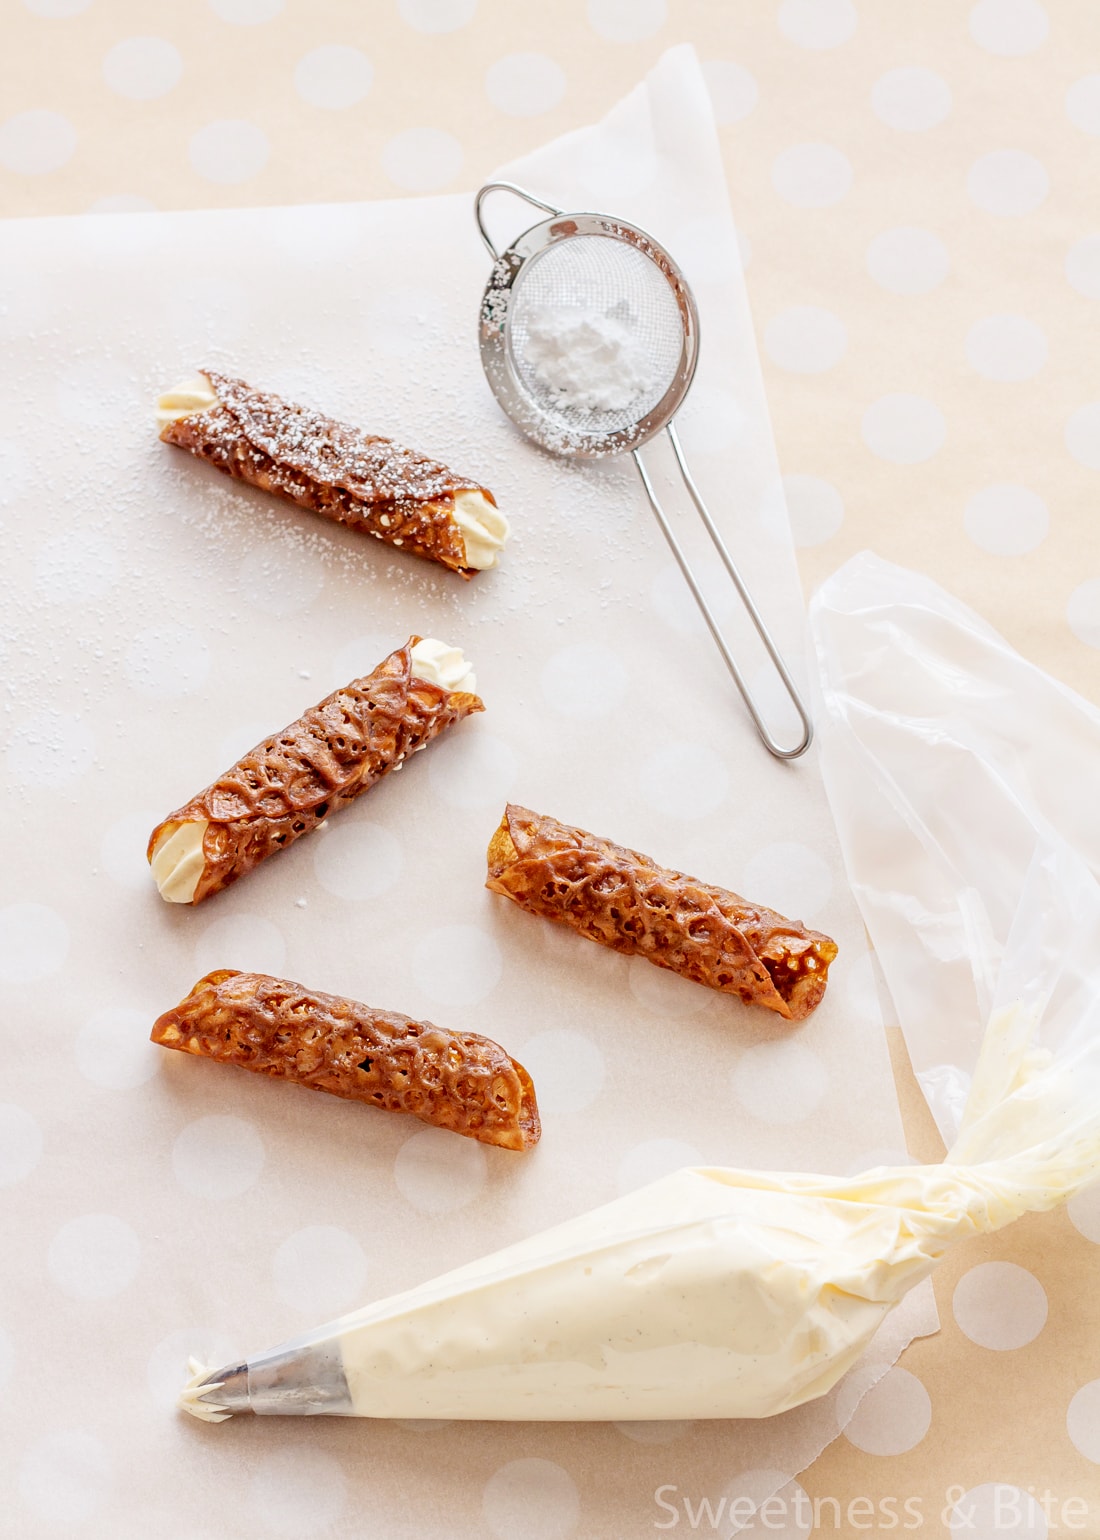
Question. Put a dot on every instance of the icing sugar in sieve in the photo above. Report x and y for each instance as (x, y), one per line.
(589, 338)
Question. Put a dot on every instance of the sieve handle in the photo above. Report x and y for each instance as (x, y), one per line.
(519, 192)
(746, 599)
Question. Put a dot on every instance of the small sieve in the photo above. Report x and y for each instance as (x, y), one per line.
(604, 264)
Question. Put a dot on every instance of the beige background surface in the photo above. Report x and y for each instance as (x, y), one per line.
(952, 426)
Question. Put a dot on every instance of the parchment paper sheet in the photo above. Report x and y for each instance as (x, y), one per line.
(157, 620)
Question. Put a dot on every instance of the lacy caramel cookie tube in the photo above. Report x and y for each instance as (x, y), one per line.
(624, 900)
(332, 468)
(453, 1080)
(287, 784)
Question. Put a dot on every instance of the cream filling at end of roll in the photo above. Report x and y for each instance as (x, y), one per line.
(177, 860)
(438, 663)
(186, 399)
(484, 529)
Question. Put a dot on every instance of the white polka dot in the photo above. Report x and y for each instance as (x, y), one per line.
(889, 1416)
(56, 9)
(244, 941)
(320, 1270)
(1083, 435)
(166, 1371)
(655, 1432)
(20, 1144)
(525, 84)
(422, 160)
(50, 749)
(684, 780)
(280, 578)
(1009, 28)
(1007, 520)
(142, 68)
(334, 76)
(229, 150)
(911, 99)
(806, 339)
(113, 1049)
(457, 964)
(472, 770)
(122, 203)
(402, 322)
(1006, 347)
(65, 1476)
(627, 21)
(781, 1081)
(772, 1497)
(1083, 612)
(365, 862)
(34, 942)
(36, 142)
(733, 91)
(999, 1305)
(1084, 1208)
(532, 1498)
(75, 567)
(439, 1172)
(437, 15)
(815, 507)
(993, 1511)
(94, 1257)
(586, 681)
(303, 1496)
(665, 993)
(122, 849)
(653, 1158)
(167, 660)
(567, 1068)
(789, 877)
(1008, 183)
(1083, 1421)
(1083, 266)
(812, 176)
(7, 1358)
(217, 1157)
(817, 24)
(908, 260)
(246, 13)
(1083, 104)
(902, 428)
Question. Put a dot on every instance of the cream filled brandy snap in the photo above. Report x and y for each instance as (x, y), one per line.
(335, 469)
(290, 782)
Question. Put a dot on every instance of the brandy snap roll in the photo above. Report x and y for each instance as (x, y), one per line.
(291, 781)
(453, 1080)
(369, 483)
(624, 900)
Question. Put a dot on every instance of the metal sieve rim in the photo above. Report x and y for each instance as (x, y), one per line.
(496, 356)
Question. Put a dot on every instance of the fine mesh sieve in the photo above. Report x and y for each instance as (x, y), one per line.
(593, 266)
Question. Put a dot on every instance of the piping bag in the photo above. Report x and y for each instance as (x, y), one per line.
(714, 1292)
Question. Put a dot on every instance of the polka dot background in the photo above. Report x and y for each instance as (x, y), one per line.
(914, 195)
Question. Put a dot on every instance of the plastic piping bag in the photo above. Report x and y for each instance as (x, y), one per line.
(726, 1293)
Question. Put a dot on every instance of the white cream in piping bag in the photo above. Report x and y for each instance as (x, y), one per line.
(177, 857)
(484, 528)
(710, 1293)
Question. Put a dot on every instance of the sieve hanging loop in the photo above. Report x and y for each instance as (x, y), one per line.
(612, 267)
(519, 192)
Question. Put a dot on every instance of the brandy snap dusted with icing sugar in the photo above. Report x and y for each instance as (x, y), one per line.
(453, 1080)
(624, 900)
(291, 781)
(358, 479)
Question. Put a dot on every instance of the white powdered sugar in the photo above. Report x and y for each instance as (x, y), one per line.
(589, 360)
